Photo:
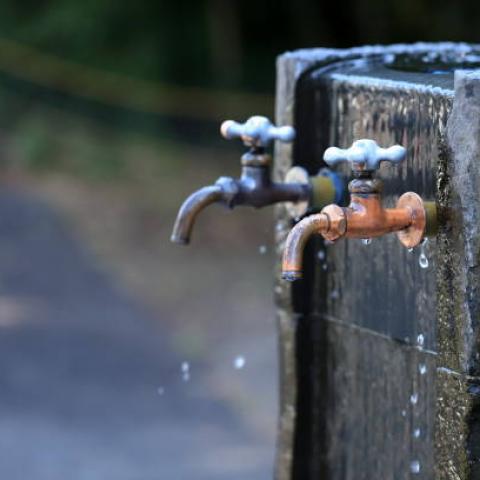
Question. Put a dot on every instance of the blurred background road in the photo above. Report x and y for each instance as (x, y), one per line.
(123, 356)
(106, 371)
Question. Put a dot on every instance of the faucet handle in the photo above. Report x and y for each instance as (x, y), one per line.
(364, 155)
(257, 131)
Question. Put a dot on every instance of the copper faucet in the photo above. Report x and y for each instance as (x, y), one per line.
(412, 218)
(255, 186)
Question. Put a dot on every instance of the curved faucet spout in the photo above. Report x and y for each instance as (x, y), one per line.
(296, 240)
(189, 210)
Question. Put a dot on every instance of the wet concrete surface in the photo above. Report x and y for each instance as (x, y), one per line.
(90, 387)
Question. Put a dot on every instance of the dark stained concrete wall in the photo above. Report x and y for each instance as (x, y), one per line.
(352, 364)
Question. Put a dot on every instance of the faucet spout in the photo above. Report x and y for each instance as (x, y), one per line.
(189, 210)
(297, 238)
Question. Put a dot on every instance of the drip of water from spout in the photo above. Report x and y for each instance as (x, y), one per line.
(366, 241)
(415, 466)
(414, 398)
(335, 294)
(239, 362)
(422, 368)
(416, 433)
(185, 369)
(290, 276)
(423, 260)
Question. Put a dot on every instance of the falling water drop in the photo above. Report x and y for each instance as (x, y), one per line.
(291, 276)
(366, 241)
(324, 267)
(415, 466)
(185, 368)
(239, 362)
(416, 433)
(410, 250)
(414, 398)
(423, 260)
(422, 368)
(335, 294)
(404, 413)
(421, 339)
(160, 391)
(262, 249)
(321, 255)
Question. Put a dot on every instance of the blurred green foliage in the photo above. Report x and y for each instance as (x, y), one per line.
(223, 43)
(217, 44)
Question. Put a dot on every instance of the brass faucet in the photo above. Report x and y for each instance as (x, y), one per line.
(412, 218)
(255, 186)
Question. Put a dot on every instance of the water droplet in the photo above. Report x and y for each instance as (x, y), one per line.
(422, 368)
(410, 250)
(160, 391)
(321, 255)
(421, 339)
(291, 276)
(415, 466)
(416, 433)
(278, 290)
(424, 242)
(423, 260)
(414, 398)
(239, 362)
(185, 368)
(278, 227)
(324, 267)
(335, 294)
(366, 241)
(262, 249)
(404, 413)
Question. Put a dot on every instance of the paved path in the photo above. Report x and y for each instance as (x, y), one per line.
(80, 366)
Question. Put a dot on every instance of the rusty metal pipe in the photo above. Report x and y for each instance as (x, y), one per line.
(189, 210)
(363, 218)
(296, 241)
